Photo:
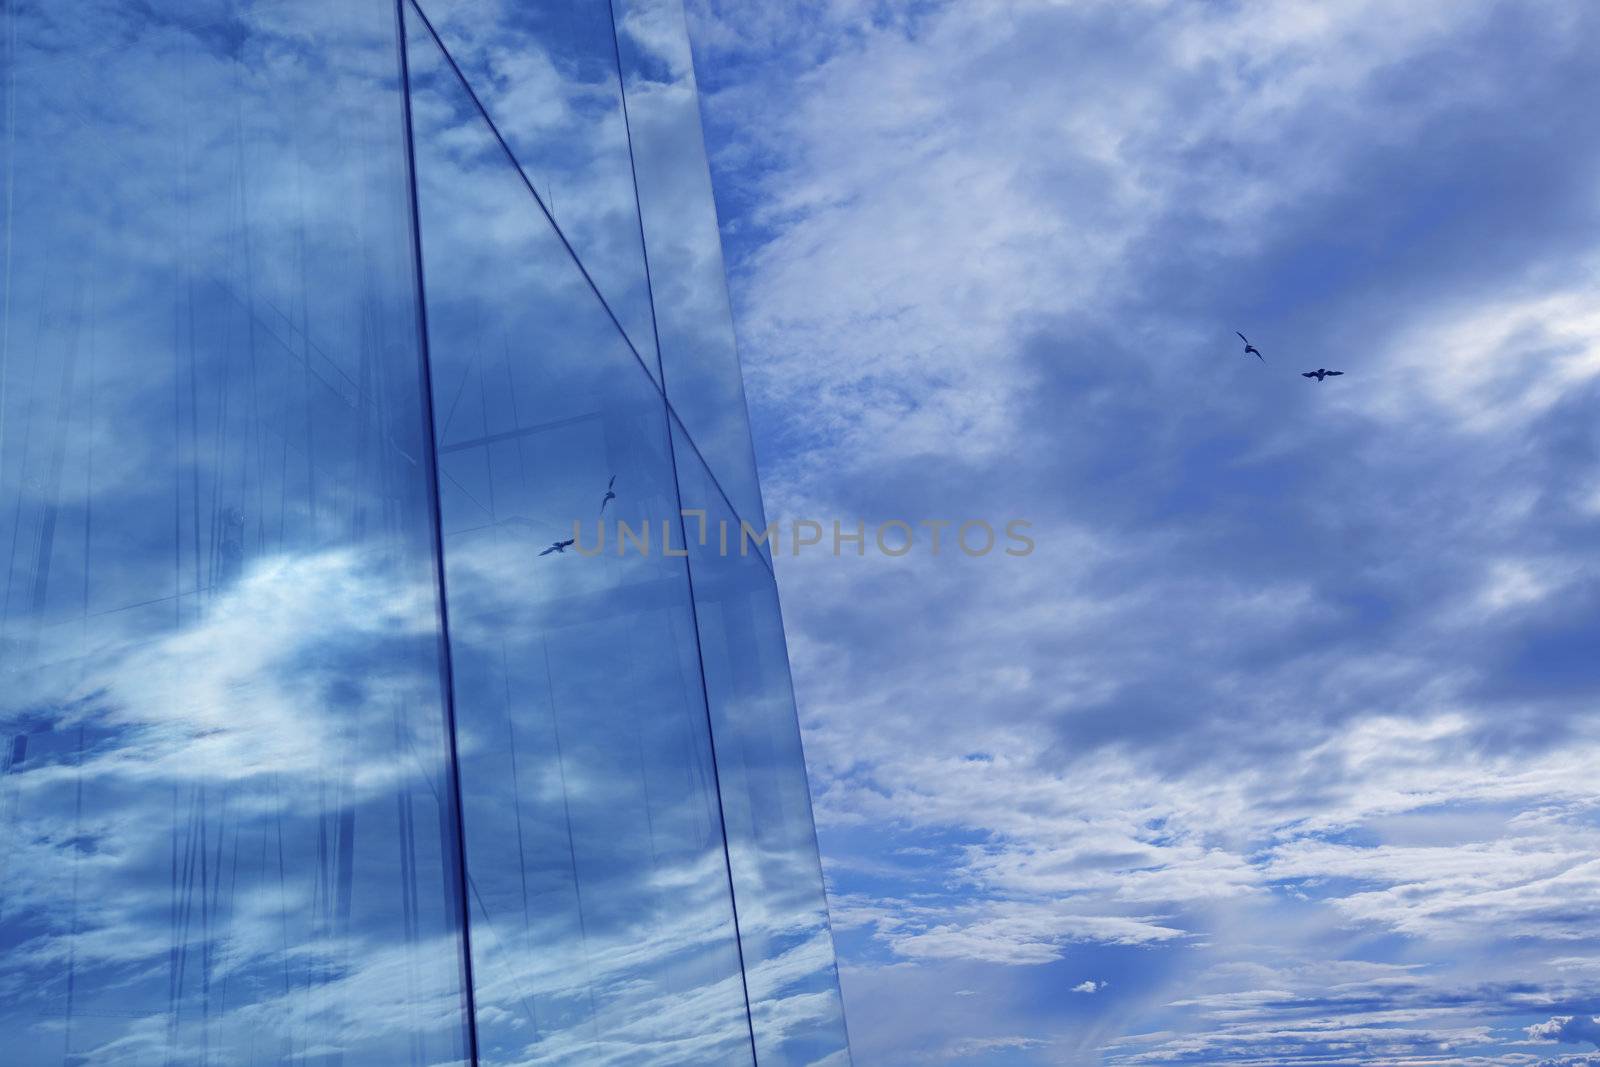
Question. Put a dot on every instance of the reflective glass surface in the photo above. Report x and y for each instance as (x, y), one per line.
(699, 361)
(796, 1012)
(282, 581)
(546, 73)
(603, 929)
(226, 819)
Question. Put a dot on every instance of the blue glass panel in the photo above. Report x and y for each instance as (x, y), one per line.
(783, 920)
(226, 827)
(602, 927)
(699, 360)
(546, 71)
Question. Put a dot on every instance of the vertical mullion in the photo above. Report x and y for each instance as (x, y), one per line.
(688, 567)
(431, 463)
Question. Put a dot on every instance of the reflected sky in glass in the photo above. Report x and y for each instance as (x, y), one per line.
(603, 928)
(797, 1014)
(699, 360)
(226, 834)
(546, 72)
(228, 826)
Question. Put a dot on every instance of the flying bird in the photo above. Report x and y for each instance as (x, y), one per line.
(1250, 349)
(610, 496)
(558, 546)
(1320, 373)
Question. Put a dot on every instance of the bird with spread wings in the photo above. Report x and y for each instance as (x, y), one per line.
(1250, 349)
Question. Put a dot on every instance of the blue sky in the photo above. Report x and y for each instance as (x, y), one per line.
(1281, 747)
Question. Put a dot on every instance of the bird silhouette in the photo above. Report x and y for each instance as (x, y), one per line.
(558, 546)
(1250, 349)
(1320, 373)
(610, 496)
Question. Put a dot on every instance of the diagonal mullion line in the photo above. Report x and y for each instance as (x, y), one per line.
(649, 281)
(517, 166)
(523, 177)
(712, 478)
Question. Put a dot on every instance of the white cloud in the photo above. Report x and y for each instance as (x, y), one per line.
(997, 260)
(1567, 1028)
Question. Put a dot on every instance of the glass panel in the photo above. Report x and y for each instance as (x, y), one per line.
(602, 928)
(783, 920)
(546, 71)
(225, 822)
(699, 361)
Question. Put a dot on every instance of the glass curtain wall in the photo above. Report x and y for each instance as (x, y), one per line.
(227, 823)
(322, 326)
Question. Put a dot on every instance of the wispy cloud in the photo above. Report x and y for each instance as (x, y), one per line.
(1286, 728)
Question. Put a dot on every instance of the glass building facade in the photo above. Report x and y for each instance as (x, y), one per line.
(323, 325)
